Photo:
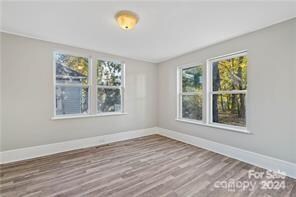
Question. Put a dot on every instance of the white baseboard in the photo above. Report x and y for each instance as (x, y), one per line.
(256, 159)
(253, 158)
(48, 149)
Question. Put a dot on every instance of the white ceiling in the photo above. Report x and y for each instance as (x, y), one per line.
(165, 29)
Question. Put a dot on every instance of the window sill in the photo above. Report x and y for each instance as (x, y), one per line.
(88, 115)
(240, 130)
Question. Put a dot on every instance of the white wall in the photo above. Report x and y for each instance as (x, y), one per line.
(0, 77)
(0, 91)
(27, 96)
(271, 92)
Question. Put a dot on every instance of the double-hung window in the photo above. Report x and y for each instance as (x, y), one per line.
(72, 84)
(86, 89)
(228, 89)
(190, 92)
(110, 86)
(224, 93)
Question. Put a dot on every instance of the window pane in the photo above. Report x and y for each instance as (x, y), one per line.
(108, 73)
(192, 79)
(192, 107)
(71, 100)
(71, 69)
(230, 74)
(109, 100)
(229, 109)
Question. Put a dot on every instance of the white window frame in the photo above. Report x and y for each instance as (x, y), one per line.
(88, 85)
(180, 92)
(210, 91)
(92, 88)
(121, 87)
(207, 113)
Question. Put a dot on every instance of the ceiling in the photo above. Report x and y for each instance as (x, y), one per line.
(165, 29)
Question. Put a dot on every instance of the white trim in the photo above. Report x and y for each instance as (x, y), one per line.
(215, 125)
(253, 158)
(263, 161)
(48, 149)
(179, 91)
(88, 115)
(189, 65)
(229, 55)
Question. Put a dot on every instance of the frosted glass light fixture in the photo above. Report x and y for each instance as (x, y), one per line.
(126, 19)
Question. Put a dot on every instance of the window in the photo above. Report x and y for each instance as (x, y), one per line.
(72, 84)
(190, 95)
(76, 87)
(228, 90)
(109, 86)
(225, 93)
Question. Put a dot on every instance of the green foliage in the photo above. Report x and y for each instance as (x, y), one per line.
(108, 73)
(192, 79)
(192, 107)
(77, 69)
(230, 109)
(192, 82)
(78, 64)
(232, 74)
(228, 75)
(109, 100)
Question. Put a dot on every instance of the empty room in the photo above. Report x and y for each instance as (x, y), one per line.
(148, 98)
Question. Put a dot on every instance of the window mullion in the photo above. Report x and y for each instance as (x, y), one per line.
(109, 87)
(191, 93)
(229, 92)
(180, 105)
(72, 85)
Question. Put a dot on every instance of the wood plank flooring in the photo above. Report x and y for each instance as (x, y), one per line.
(148, 166)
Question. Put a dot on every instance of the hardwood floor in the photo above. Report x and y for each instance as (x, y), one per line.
(148, 166)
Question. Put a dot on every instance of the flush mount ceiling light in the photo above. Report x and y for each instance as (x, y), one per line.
(126, 19)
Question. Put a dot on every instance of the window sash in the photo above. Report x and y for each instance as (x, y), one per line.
(210, 92)
(88, 85)
(89, 67)
(181, 93)
(76, 114)
(211, 109)
(121, 88)
(122, 79)
(180, 113)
